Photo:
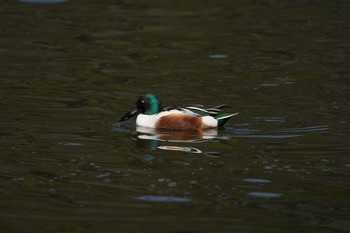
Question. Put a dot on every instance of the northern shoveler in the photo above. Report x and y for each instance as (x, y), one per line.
(152, 114)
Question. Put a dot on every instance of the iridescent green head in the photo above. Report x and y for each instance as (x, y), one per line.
(148, 104)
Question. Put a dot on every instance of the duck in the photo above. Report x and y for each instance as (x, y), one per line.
(151, 114)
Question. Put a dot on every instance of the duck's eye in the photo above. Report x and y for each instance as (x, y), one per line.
(143, 101)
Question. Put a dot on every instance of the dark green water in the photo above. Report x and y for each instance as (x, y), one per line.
(69, 70)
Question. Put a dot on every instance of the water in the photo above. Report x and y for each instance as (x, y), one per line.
(69, 70)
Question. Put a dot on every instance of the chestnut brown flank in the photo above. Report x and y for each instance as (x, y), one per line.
(179, 121)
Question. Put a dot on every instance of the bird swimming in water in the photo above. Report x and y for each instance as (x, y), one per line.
(150, 113)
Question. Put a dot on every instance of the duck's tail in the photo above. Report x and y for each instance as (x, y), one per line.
(224, 117)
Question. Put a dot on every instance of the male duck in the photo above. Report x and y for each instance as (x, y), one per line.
(152, 114)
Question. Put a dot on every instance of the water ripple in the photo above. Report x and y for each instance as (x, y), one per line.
(265, 194)
(305, 129)
(181, 148)
(43, 1)
(268, 136)
(163, 198)
(256, 180)
(218, 56)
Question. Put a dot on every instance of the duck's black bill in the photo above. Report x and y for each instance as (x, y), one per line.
(129, 114)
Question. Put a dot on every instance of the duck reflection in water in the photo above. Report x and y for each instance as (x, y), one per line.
(155, 139)
(175, 136)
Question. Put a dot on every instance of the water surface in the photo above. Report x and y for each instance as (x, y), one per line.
(69, 70)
